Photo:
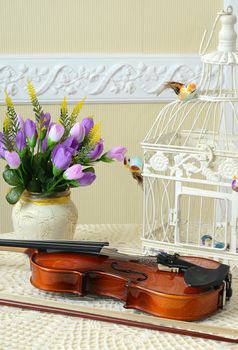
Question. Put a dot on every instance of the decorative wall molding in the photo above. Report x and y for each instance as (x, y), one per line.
(101, 78)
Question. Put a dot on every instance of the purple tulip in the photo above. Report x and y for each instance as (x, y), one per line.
(88, 124)
(234, 184)
(2, 147)
(55, 134)
(12, 159)
(78, 132)
(117, 153)
(71, 144)
(20, 123)
(2, 151)
(20, 141)
(87, 179)
(1, 137)
(61, 159)
(46, 120)
(30, 132)
(97, 151)
(44, 144)
(75, 172)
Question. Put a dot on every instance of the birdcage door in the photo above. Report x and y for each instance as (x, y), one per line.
(203, 218)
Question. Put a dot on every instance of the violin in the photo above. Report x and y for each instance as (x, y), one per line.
(171, 286)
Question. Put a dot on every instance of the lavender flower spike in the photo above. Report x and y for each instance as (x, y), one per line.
(117, 153)
(55, 134)
(30, 132)
(75, 172)
(12, 159)
(61, 159)
(78, 132)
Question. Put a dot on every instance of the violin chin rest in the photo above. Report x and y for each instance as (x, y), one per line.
(200, 277)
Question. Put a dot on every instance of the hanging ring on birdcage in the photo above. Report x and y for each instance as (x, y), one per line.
(229, 10)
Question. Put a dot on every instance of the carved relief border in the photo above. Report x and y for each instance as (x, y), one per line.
(101, 78)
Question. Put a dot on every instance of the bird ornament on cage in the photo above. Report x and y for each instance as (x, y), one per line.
(183, 91)
(135, 166)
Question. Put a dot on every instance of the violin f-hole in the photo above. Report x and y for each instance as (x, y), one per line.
(115, 267)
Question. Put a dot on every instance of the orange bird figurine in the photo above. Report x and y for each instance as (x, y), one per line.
(184, 92)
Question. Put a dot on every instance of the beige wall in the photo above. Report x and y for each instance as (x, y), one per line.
(104, 26)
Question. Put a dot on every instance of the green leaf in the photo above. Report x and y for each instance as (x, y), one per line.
(73, 183)
(90, 169)
(34, 186)
(105, 159)
(14, 195)
(11, 177)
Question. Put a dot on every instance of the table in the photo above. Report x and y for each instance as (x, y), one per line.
(25, 329)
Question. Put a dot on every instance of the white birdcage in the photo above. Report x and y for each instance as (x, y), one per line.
(190, 158)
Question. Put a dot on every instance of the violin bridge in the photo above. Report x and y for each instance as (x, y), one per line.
(168, 269)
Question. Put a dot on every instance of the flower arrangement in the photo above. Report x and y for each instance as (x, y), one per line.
(46, 157)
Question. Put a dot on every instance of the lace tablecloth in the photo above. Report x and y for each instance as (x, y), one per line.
(23, 329)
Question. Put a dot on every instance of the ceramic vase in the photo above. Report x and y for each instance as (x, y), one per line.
(40, 218)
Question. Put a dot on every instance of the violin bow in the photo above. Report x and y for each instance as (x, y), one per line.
(134, 320)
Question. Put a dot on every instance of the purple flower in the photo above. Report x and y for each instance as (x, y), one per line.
(2, 147)
(74, 172)
(117, 153)
(88, 124)
(234, 184)
(78, 132)
(44, 144)
(87, 179)
(30, 132)
(97, 151)
(46, 120)
(12, 159)
(20, 141)
(20, 123)
(61, 159)
(71, 144)
(55, 134)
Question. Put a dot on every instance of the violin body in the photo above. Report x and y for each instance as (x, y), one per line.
(136, 281)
